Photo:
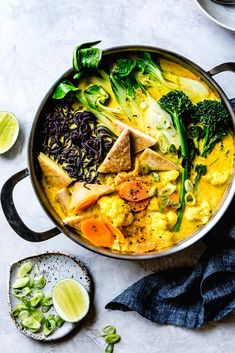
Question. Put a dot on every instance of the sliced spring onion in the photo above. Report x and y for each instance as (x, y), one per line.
(49, 326)
(17, 309)
(112, 338)
(155, 176)
(31, 324)
(20, 282)
(175, 205)
(167, 190)
(107, 330)
(109, 348)
(188, 185)
(24, 314)
(172, 149)
(190, 199)
(38, 315)
(21, 293)
(39, 283)
(47, 300)
(25, 269)
(36, 299)
(58, 321)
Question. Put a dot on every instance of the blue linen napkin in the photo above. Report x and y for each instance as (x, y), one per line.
(189, 296)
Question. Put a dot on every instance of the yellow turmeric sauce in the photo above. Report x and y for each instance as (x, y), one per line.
(210, 191)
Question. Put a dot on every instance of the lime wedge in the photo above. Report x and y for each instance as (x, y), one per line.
(71, 300)
(9, 130)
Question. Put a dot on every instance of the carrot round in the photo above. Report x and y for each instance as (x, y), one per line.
(142, 248)
(97, 232)
(115, 231)
(133, 191)
(139, 206)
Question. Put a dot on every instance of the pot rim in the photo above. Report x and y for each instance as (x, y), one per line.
(182, 244)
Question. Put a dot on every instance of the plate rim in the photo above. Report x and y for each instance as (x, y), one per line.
(35, 255)
(221, 24)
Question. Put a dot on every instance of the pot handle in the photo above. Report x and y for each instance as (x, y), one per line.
(222, 67)
(12, 215)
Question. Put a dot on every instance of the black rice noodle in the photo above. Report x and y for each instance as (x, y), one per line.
(76, 141)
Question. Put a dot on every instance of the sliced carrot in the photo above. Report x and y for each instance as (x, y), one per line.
(133, 190)
(174, 197)
(142, 248)
(97, 232)
(83, 204)
(139, 206)
(115, 231)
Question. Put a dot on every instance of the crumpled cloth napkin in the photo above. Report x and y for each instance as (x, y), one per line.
(189, 297)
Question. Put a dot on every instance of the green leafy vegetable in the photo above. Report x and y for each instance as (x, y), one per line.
(214, 119)
(177, 104)
(63, 89)
(86, 59)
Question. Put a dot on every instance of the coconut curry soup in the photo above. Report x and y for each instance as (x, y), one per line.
(132, 149)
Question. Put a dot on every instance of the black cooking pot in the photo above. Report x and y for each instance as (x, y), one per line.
(35, 175)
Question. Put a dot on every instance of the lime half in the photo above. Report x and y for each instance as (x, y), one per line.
(9, 131)
(71, 300)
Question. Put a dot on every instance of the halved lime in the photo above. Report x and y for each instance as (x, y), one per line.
(71, 300)
(9, 131)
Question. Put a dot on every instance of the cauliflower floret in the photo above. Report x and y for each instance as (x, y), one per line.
(116, 209)
(217, 177)
(159, 221)
(171, 218)
(167, 177)
(201, 213)
(153, 204)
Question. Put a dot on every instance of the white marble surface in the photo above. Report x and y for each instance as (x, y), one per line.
(36, 41)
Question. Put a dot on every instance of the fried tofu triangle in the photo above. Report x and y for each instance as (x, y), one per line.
(151, 160)
(54, 174)
(139, 140)
(119, 157)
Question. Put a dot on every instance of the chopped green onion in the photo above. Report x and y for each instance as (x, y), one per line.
(24, 314)
(25, 269)
(21, 293)
(40, 283)
(167, 190)
(38, 315)
(20, 282)
(190, 199)
(155, 176)
(49, 326)
(31, 324)
(36, 299)
(172, 149)
(109, 348)
(107, 330)
(58, 321)
(112, 338)
(188, 185)
(45, 308)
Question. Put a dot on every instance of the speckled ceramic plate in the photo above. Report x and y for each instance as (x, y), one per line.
(54, 266)
(223, 15)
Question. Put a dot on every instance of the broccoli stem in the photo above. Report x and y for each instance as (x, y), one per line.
(206, 140)
(185, 170)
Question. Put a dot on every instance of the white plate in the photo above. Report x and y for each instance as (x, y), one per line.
(223, 15)
(54, 266)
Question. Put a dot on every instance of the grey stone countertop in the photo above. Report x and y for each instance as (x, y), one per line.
(36, 40)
